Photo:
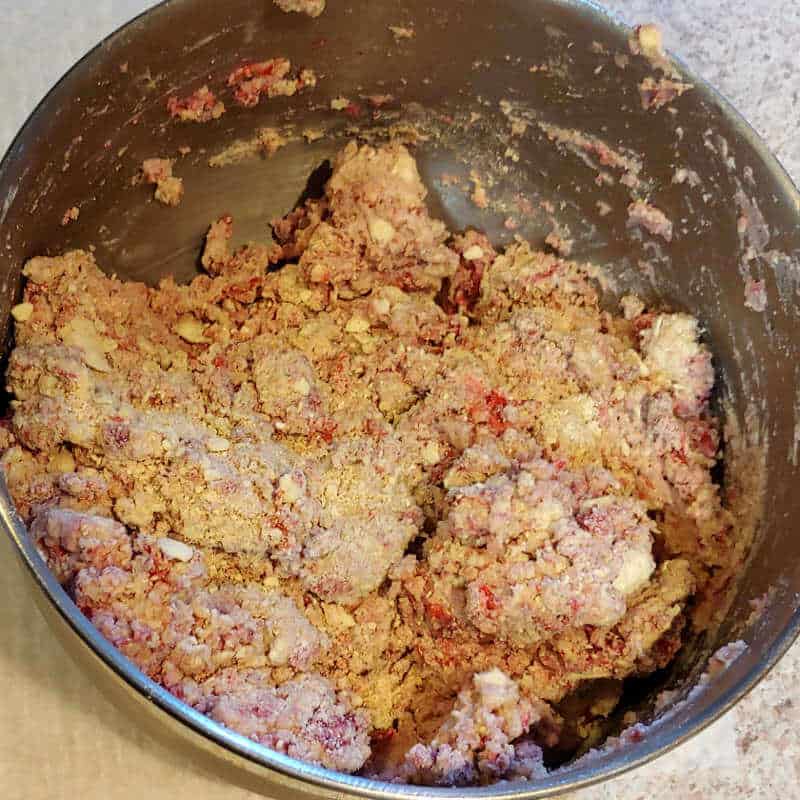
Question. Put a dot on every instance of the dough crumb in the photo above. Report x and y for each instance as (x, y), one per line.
(479, 195)
(70, 215)
(643, 215)
(270, 78)
(656, 93)
(313, 134)
(313, 8)
(683, 175)
(399, 32)
(271, 140)
(560, 243)
(755, 294)
(647, 41)
(200, 106)
(476, 742)
(22, 312)
(169, 189)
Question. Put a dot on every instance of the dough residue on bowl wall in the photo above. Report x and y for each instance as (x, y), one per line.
(313, 8)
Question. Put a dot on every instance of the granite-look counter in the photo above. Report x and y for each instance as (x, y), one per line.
(59, 738)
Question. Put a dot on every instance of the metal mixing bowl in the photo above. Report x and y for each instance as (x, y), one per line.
(84, 142)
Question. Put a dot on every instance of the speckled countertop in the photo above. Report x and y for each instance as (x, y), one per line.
(59, 738)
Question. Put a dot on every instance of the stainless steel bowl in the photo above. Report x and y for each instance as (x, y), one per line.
(85, 140)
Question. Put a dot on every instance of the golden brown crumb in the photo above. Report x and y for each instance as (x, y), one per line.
(70, 215)
(313, 8)
(647, 41)
(656, 94)
(158, 171)
(478, 196)
(169, 191)
(271, 140)
(271, 78)
(312, 134)
(200, 106)
(400, 32)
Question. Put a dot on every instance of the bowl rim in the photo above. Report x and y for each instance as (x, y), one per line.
(662, 740)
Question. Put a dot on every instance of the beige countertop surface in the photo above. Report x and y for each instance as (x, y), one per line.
(59, 738)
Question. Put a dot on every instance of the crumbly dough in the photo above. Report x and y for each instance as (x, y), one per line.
(656, 94)
(158, 171)
(385, 507)
(70, 215)
(311, 7)
(271, 78)
(200, 106)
